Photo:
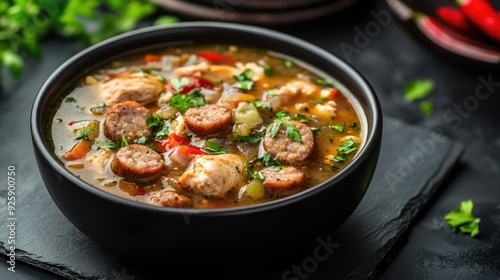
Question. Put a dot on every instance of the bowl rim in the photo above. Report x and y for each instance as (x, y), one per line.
(372, 138)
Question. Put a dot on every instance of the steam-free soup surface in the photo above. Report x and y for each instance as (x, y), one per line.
(205, 127)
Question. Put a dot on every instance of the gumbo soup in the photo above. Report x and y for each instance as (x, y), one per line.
(206, 127)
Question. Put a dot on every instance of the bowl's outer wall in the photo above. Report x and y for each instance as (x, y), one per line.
(206, 238)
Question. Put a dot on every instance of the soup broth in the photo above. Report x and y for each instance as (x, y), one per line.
(210, 126)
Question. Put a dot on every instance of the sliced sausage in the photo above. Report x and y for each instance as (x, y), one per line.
(137, 163)
(287, 150)
(127, 119)
(287, 181)
(140, 87)
(213, 175)
(170, 198)
(209, 120)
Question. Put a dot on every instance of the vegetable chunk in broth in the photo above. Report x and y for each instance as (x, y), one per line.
(206, 127)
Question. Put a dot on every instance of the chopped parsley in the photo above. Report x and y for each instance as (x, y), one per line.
(268, 70)
(165, 131)
(292, 132)
(185, 101)
(427, 107)
(109, 145)
(245, 79)
(253, 175)
(346, 149)
(141, 141)
(275, 129)
(158, 126)
(273, 92)
(214, 148)
(323, 82)
(161, 79)
(268, 161)
(146, 70)
(314, 129)
(339, 128)
(178, 84)
(302, 118)
(84, 134)
(462, 219)
(418, 89)
(124, 141)
(288, 63)
(70, 100)
(317, 101)
(285, 116)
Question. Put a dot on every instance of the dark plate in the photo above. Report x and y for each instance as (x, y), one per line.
(259, 12)
(448, 44)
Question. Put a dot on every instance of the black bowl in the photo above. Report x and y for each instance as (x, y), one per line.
(223, 239)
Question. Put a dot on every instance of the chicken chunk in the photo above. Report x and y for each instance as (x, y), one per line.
(212, 73)
(213, 175)
(180, 127)
(99, 160)
(140, 87)
(292, 90)
(258, 71)
(326, 111)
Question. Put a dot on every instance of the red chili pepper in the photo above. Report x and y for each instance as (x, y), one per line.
(190, 151)
(195, 83)
(172, 141)
(453, 41)
(457, 21)
(483, 15)
(152, 58)
(215, 57)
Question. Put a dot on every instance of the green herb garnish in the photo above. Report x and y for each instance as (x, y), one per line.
(70, 100)
(109, 145)
(141, 141)
(339, 128)
(268, 161)
(186, 101)
(124, 141)
(292, 132)
(214, 148)
(245, 79)
(346, 149)
(268, 70)
(253, 175)
(288, 63)
(275, 128)
(427, 107)
(323, 82)
(418, 89)
(84, 134)
(462, 219)
(161, 79)
(178, 84)
(317, 101)
(285, 116)
(155, 121)
(248, 139)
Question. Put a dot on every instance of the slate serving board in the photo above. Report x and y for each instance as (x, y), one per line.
(400, 188)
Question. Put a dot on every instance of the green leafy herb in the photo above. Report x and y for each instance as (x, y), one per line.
(427, 107)
(161, 79)
(25, 23)
(346, 149)
(214, 148)
(323, 82)
(146, 70)
(314, 129)
(178, 84)
(292, 132)
(339, 128)
(155, 121)
(165, 131)
(275, 128)
(285, 116)
(267, 160)
(288, 63)
(462, 219)
(248, 139)
(124, 142)
(317, 101)
(109, 145)
(302, 118)
(418, 89)
(252, 174)
(141, 141)
(245, 79)
(70, 100)
(185, 101)
(268, 70)
(84, 134)
(273, 92)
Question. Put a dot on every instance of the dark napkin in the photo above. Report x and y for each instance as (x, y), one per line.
(412, 165)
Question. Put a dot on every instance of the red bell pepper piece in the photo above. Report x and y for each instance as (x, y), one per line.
(190, 151)
(172, 141)
(483, 15)
(215, 57)
(195, 83)
(152, 58)
(457, 21)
